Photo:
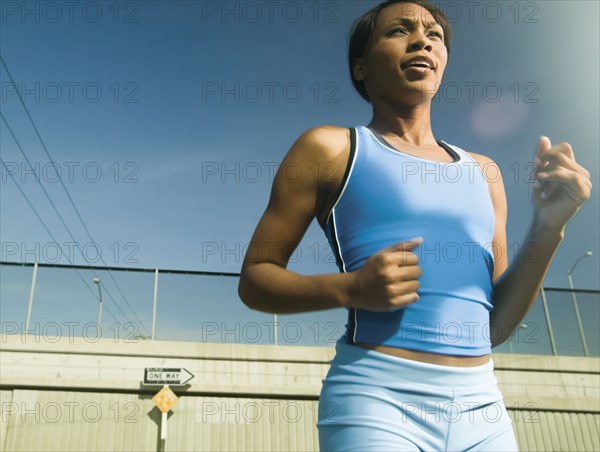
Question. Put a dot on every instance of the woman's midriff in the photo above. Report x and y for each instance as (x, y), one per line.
(431, 358)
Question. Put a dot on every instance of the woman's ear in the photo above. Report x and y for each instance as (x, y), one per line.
(358, 71)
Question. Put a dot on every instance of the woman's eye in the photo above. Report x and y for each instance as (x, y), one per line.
(398, 30)
(438, 34)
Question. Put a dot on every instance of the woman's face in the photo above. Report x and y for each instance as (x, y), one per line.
(403, 32)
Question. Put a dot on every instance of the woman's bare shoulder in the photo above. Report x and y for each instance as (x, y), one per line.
(323, 142)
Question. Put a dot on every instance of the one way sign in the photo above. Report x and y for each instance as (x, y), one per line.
(159, 376)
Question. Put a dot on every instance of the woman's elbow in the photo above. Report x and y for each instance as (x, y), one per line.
(245, 292)
(248, 293)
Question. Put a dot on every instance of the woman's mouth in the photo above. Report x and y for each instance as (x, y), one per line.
(419, 69)
(420, 64)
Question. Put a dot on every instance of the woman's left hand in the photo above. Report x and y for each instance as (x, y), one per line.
(561, 185)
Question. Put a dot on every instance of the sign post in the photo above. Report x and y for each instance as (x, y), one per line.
(165, 399)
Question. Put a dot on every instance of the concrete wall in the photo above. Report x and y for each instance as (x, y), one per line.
(72, 394)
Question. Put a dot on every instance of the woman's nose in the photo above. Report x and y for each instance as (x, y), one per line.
(419, 41)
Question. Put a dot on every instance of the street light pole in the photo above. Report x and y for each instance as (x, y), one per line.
(578, 316)
(97, 282)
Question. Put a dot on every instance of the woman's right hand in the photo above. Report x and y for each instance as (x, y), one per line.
(388, 280)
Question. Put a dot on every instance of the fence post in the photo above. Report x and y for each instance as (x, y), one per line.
(155, 300)
(550, 331)
(31, 294)
(578, 316)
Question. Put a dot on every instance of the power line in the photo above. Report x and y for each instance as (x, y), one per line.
(67, 192)
(38, 180)
(52, 236)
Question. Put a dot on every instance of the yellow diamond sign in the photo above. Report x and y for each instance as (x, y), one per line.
(165, 399)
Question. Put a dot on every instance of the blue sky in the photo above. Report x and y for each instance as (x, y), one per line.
(167, 119)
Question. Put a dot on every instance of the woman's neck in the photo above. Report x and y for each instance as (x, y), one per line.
(411, 124)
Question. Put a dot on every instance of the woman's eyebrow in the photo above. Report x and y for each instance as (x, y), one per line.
(412, 22)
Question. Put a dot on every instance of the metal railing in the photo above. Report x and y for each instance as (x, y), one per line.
(50, 301)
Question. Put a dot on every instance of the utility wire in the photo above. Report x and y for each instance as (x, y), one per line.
(53, 238)
(67, 192)
(38, 180)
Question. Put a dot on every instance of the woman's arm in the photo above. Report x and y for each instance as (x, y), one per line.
(388, 280)
(265, 283)
(563, 188)
(516, 290)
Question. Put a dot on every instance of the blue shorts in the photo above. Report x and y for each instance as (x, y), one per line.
(372, 401)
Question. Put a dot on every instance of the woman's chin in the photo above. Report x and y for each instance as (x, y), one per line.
(416, 95)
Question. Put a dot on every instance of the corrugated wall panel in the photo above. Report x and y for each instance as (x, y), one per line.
(6, 408)
(591, 426)
(80, 421)
(77, 421)
(549, 390)
(242, 424)
(556, 431)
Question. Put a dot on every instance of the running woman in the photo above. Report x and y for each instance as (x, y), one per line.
(419, 234)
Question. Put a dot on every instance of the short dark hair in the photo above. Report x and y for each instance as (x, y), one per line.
(363, 28)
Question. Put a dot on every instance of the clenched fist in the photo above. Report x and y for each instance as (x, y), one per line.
(388, 280)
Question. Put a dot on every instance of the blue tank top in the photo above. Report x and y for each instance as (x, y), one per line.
(388, 196)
